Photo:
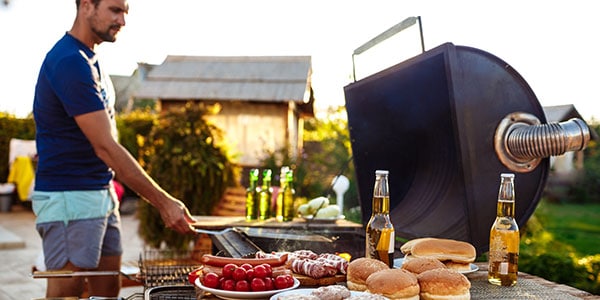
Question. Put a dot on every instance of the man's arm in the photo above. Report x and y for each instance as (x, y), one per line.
(96, 127)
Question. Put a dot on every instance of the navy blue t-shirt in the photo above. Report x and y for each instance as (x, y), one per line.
(70, 83)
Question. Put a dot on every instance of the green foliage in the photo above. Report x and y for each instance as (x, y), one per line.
(327, 153)
(586, 189)
(549, 251)
(133, 127)
(330, 155)
(182, 155)
(12, 127)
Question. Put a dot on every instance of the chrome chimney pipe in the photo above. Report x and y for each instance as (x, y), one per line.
(521, 141)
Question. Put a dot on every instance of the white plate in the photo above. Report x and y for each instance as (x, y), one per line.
(307, 292)
(399, 261)
(232, 295)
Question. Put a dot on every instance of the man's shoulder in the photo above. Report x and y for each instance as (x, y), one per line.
(67, 47)
(68, 56)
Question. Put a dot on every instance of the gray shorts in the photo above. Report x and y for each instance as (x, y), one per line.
(81, 242)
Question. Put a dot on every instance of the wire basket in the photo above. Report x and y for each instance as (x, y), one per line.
(168, 267)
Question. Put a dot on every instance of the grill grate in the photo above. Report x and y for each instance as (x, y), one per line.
(171, 293)
(168, 267)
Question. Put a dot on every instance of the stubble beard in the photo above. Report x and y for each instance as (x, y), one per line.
(106, 35)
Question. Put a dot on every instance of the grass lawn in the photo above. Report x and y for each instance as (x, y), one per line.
(575, 224)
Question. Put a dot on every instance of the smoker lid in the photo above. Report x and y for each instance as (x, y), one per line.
(431, 121)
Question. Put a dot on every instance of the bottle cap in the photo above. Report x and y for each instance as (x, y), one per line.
(509, 175)
(382, 172)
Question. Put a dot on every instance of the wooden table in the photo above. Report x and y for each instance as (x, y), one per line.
(528, 287)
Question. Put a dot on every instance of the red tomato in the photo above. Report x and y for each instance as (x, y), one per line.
(258, 285)
(228, 285)
(250, 274)
(239, 274)
(260, 271)
(246, 266)
(289, 279)
(269, 269)
(268, 283)
(211, 280)
(193, 275)
(281, 282)
(242, 286)
(228, 270)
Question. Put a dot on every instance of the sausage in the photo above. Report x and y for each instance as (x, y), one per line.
(220, 261)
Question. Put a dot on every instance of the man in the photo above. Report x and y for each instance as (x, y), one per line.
(77, 212)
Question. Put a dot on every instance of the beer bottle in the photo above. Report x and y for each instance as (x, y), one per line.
(504, 237)
(288, 197)
(380, 234)
(252, 196)
(266, 192)
(279, 202)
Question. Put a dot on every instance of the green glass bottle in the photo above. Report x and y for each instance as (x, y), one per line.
(265, 195)
(252, 196)
(288, 195)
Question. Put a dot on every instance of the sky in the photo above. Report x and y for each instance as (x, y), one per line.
(553, 45)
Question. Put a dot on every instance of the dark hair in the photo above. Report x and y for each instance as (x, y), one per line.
(96, 2)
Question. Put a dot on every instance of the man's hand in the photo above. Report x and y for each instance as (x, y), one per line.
(177, 217)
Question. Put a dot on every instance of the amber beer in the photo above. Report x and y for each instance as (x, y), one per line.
(504, 237)
(380, 234)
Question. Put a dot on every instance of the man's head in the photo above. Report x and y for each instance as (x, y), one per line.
(77, 2)
(104, 18)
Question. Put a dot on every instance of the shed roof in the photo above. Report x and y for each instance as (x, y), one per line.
(561, 113)
(246, 78)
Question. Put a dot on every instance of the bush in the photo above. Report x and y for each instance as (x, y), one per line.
(183, 155)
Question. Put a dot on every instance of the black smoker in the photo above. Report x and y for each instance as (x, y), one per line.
(445, 124)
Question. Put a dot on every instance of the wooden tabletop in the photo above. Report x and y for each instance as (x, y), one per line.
(527, 283)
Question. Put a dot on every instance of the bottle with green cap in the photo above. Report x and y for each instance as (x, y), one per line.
(252, 196)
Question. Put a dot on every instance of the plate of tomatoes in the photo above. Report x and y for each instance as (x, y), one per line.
(245, 282)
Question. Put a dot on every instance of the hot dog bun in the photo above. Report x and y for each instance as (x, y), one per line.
(360, 269)
(440, 249)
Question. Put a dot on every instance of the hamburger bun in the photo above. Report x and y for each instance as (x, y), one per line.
(456, 266)
(440, 249)
(443, 284)
(360, 269)
(421, 264)
(394, 284)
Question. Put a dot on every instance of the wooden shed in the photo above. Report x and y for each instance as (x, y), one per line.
(262, 99)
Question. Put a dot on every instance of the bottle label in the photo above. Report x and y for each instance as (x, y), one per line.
(503, 269)
(392, 243)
